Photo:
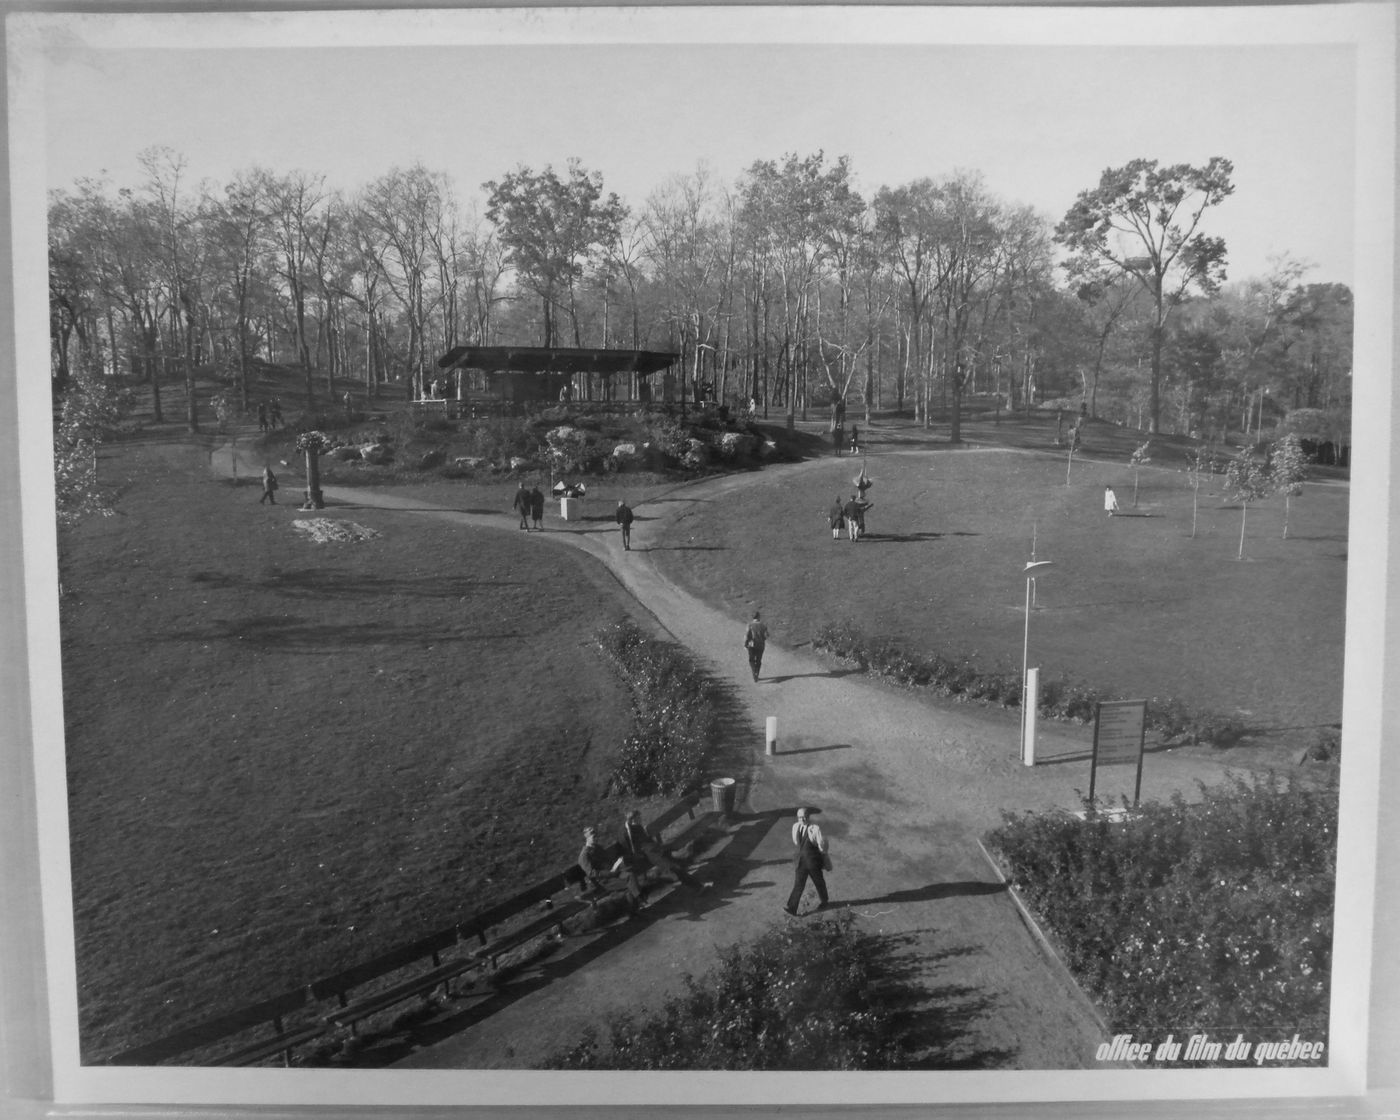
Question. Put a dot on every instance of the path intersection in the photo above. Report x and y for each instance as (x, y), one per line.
(904, 787)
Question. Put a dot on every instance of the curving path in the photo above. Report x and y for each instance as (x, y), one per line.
(905, 788)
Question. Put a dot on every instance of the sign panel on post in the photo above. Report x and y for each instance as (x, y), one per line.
(1120, 734)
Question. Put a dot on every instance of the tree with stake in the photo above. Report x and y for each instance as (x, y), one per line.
(1288, 464)
(313, 445)
(1073, 447)
(1202, 461)
(1246, 480)
(1136, 460)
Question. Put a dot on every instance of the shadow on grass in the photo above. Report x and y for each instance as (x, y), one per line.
(683, 548)
(324, 582)
(277, 632)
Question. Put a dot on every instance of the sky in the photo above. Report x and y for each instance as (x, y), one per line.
(1040, 122)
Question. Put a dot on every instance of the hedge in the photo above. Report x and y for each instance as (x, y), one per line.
(1212, 917)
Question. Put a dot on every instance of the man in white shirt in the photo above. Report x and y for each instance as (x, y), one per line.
(812, 861)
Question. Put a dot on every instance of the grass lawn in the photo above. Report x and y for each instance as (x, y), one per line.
(1135, 605)
(286, 757)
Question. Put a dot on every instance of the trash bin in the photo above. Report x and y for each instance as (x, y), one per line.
(566, 508)
(722, 793)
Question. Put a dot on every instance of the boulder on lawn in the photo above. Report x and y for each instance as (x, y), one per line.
(431, 459)
(345, 454)
(737, 446)
(377, 454)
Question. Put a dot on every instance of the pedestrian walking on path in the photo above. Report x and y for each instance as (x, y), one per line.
(836, 518)
(1110, 501)
(755, 638)
(537, 507)
(855, 439)
(812, 861)
(269, 493)
(521, 505)
(624, 519)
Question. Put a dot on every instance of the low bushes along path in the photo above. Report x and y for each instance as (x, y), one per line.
(904, 788)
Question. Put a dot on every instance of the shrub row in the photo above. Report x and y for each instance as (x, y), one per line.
(673, 720)
(962, 679)
(1210, 917)
(797, 997)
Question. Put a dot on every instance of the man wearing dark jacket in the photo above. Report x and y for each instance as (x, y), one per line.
(624, 519)
(521, 505)
(640, 850)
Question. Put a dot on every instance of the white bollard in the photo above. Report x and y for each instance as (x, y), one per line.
(772, 734)
(1032, 702)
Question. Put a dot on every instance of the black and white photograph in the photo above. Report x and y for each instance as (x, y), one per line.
(447, 672)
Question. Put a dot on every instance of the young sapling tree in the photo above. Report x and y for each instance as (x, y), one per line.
(1288, 464)
(1135, 461)
(1246, 480)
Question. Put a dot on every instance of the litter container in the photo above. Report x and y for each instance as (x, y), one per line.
(722, 793)
(567, 508)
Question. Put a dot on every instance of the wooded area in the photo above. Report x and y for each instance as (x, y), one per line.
(788, 286)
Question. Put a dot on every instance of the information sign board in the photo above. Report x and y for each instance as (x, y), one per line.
(1120, 734)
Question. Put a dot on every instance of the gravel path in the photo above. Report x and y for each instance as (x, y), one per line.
(904, 786)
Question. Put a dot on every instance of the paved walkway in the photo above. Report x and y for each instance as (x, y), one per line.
(904, 786)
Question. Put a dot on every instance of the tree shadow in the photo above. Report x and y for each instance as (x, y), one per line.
(834, 674)
(682, 548)
(294, 635)
(932, 1023)
(327, 582)
(933, 892)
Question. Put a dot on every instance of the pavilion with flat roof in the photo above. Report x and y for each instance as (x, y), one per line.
(520, 375)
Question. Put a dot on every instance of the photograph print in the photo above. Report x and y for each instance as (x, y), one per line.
(460, 424)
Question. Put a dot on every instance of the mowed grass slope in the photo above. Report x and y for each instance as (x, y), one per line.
(286, 757)
(1134, 606)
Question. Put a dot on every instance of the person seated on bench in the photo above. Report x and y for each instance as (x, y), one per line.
(595, 864)
(640, 850)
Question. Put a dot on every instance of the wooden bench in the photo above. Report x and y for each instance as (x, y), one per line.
(339, 986)
(270, 1011)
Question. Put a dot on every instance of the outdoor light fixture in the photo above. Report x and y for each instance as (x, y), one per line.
(1030, 571)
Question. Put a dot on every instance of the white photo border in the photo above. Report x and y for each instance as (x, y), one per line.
(38, 987)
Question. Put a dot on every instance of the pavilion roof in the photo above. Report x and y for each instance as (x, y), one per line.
(556, 359)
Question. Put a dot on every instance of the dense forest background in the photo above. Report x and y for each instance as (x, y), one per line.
(788, 286)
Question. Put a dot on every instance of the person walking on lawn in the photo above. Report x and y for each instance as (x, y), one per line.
(812, 862)
(269, 493)
(755, 638)
(855, 518)
(537, 507)
(624, 519)
(836, 518)
(641, 849)
(522, 505)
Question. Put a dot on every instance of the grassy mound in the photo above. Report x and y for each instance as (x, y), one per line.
(287, 756)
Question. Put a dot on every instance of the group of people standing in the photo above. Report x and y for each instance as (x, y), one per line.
(530, 505)
(269, 415)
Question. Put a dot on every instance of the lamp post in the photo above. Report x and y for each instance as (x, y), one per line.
(1030, 571)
